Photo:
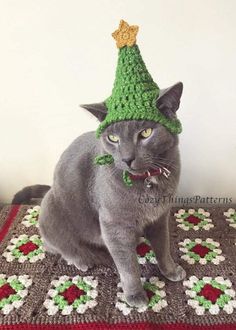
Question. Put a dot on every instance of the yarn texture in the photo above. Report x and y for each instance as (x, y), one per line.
(104, 160)
(50, 294)
(134, 92)
(125, 35)
(127, 180)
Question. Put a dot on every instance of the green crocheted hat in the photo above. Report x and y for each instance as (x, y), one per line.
(134, 92)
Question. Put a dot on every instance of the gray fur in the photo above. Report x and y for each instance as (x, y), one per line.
(90, 217)
(30, 194)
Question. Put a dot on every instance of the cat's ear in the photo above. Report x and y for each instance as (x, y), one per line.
(169, 100)
(99, 110)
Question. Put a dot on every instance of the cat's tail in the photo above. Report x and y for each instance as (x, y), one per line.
(25, 195)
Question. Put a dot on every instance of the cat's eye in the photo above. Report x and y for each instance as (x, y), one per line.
(113, 138)
(146, 133)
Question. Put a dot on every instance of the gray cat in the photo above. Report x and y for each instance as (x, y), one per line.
(90, 217)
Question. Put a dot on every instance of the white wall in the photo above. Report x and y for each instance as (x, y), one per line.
(57, 54)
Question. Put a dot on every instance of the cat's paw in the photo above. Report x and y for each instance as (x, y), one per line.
(177, 274)
(81, 267)
(138, 299)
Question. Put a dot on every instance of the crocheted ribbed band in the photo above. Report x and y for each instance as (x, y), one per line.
(134, 93)
(40, 291)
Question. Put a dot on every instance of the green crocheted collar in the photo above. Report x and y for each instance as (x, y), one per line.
(128, 178)
(108, 160)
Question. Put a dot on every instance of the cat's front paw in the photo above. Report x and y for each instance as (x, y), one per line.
(175, 275)
(138, 299)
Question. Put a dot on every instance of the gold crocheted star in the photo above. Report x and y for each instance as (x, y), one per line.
(125, 35)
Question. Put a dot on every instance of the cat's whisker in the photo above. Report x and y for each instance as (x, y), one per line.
(166, 167)
(166, 172)
(113, 172)
(161, 162)
(108, 176)
(166, 164)
(164, 181)
(170, 166)
(154, 165)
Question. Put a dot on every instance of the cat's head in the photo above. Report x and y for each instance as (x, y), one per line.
(140, 145)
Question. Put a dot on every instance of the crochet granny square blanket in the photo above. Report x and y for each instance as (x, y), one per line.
(41, 291)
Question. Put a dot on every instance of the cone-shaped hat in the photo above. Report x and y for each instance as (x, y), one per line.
(134, 92)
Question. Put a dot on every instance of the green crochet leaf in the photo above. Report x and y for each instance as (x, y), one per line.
(104, 160)
(126, 178)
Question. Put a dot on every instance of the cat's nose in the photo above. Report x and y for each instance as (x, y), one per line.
(128, 161)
